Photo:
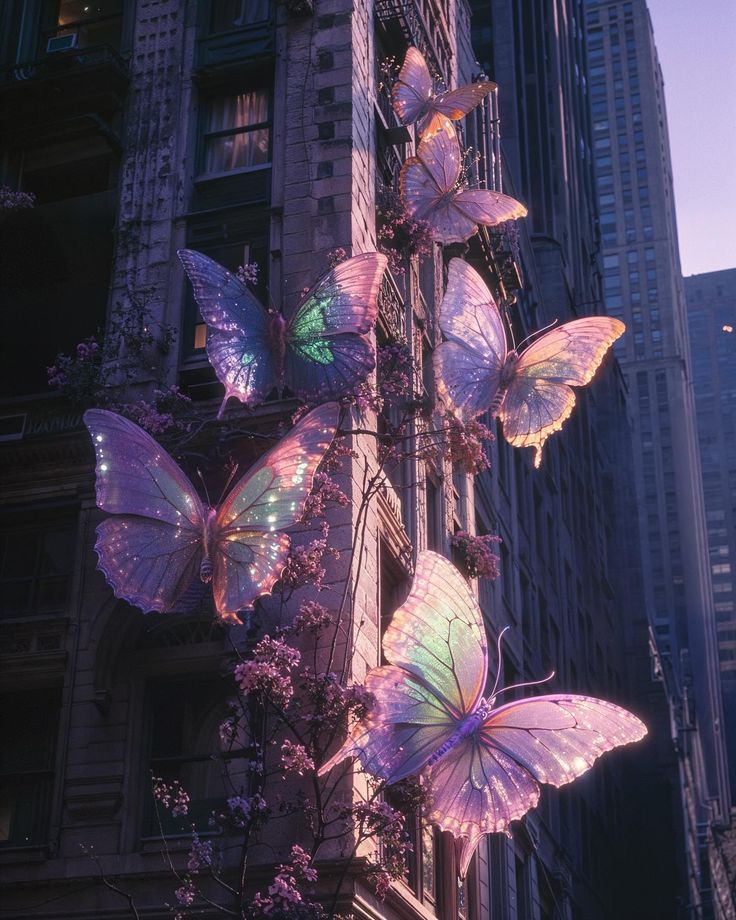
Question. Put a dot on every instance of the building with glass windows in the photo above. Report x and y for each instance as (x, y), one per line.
(642, 284)
(262, 133)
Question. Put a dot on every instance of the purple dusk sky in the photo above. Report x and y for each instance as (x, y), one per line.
(697, 50)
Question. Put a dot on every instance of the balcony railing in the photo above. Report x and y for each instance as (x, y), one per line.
(407, 19)
(52, 65)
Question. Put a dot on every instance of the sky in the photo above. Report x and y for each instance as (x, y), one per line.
(696, 42)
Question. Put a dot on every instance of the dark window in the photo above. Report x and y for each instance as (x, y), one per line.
(30, 725)
(36, 562)
(237, 133)
(227, 15)
(184, 718)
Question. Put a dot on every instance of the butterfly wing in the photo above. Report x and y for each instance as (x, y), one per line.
(250, 548)
(475, 790)
(427, 181)
(456, 103)
(468, 365)
(539, 398)
(239, 351)
(405, 726)
(491, 778)
(151, 551)
(327, 352)
(486, 207)
(437, 648)
(413, 88)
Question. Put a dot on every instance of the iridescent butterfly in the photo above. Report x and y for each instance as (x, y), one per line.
(529, 391)
(162, 536)
(318, 350)
(414, 100)
(482, 762)
(433, 190)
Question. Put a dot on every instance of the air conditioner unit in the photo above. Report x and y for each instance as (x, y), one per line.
(61, 43)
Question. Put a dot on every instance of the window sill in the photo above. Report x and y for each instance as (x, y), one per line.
(35, 853)
(210, 177)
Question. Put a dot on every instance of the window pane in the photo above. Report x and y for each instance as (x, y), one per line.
(234, 14)
(239, 111)
(237, 151)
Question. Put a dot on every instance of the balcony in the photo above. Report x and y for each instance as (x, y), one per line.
(78, 84)
(416, 22)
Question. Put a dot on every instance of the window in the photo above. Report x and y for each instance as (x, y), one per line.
(36, 562)
(227, 15)
(98, 23)
(237, 134)
(30, 722)
(184, 718)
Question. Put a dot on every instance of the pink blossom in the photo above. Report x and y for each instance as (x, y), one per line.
(186, 894)
(325, 490)
(294, 758)
(248, 273)
(269, 671)
(11, 200)
(243, 809)
(304, 565)
(312, 616)
(336, 256)
(335, 455)
(200, 854)
(478, 558)
(464, 444)
(171, 796)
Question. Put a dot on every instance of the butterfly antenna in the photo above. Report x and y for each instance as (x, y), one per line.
(498, 669)
(538, 332)
(228, 481)
(527, 683)
(204, 486)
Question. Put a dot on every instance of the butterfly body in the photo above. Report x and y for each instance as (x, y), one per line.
(530, 390)
(319, 349)
(160, 537)
(482, 763)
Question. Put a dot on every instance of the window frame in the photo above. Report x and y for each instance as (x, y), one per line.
(205, 136)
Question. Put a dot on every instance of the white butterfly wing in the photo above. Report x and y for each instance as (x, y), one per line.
(413, 89)
(468, 365)
(539, 398)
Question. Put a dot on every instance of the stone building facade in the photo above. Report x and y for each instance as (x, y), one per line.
(261, 134)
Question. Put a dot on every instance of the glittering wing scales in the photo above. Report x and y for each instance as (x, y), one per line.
(558, 738)
(486, 207)
(405, 726)
(250, 550)
(437, 635)
(240, 351)
(468, 366)
(150, 564)
(135, 475)
(539, 398)
(412, 91)
(326, 350)
(456, 103)
(475, 790)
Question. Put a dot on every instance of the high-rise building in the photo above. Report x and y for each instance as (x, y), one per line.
(642, 284)
(259, 132)
(711, 314)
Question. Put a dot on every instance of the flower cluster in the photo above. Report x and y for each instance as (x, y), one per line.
(268, 672)
(186, 894)
(10, 200)
(378, 819)
(312, 617)
(171, 796)
(476, 555)
(242, 810)
(395, 370)
(284, 899)
(336, 256)
(336, 453)
(161, 414)
(367, 398)
(464, 444)
(330, 702)
(248, 273)
(201, 854)
(399, 234)
(325, 490)
(79, 374)
(304, 565)
(295, 759)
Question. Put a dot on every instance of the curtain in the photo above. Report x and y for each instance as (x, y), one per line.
(247, 147)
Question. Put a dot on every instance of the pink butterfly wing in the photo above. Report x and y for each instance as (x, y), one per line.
(437, 646)
(150, 552)
(405, 726)
(413, 89)
(456, 103)
(487, 208)
(250, 549)
(475, 791)
(468, 365)
(539, 398)
(327, 350)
